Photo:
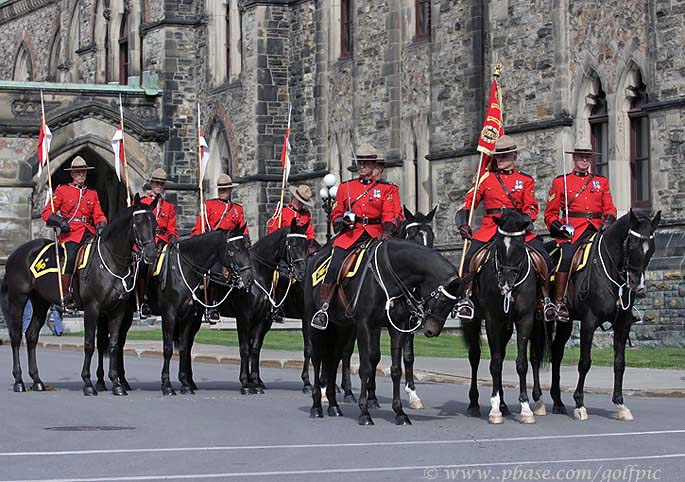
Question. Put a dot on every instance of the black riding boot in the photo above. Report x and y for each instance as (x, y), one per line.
(320, 319)
(68, 300)
(560, 281)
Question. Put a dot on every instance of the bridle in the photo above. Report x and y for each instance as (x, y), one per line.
(422, 232)
(500, 269)
(290, 263)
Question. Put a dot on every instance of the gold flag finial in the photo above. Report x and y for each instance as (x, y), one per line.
(498, 70)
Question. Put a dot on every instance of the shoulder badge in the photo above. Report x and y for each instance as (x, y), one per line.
(551, 196)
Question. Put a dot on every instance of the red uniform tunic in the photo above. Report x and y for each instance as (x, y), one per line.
(373, 204)
(165, 213)
(520, 186)
(594, 202)
(397, 204)
(289, 213)
(220, 214)
(80, 207)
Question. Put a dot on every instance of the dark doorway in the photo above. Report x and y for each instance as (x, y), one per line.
(103, 179)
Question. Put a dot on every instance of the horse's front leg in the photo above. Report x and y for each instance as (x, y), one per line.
(316, 410)
(537, 351)
(184, 357)
(472, 337)
(496, 361)
(346, 382)
(243, 325)
(16, 310)
(40, 310)
(306, 384)
(522, 339)
(621, 332)
(587, 331)
(561, 335)
(168, 325)
(408, 357)
(256, 342)
(114, 352)
(90, 320)
(102, 345)
(123, 332)
(397, 343)
(366, 368)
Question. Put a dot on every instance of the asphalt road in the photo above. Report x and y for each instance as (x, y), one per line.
(219, 434)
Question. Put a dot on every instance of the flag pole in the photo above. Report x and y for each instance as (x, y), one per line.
(123, 151)
(284, 180)
(52, 206)
(496, 74)
(203, 217)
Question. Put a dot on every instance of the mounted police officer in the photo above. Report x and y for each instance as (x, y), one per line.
(78, 214)
(502, 186)
(395, 194)
(297, 209)
(220, 214)
(586, 202)
(167, 232)
(364, 209)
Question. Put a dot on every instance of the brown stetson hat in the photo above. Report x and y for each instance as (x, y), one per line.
(303, 194)
(158, 175)
(583, 150)
(78, 164)
(224, 181)
(504, 145)
(367, 152)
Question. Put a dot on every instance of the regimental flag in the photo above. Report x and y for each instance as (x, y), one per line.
(285, 152)
(493, 127)
(119, 151)
(44, 140)
(204, 155)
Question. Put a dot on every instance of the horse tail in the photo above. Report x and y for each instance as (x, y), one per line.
(102, 336)
(4, 301)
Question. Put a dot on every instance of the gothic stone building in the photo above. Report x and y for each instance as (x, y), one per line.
(409, 76)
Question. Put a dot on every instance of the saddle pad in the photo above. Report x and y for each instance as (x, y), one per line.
(583, 254)
(320, 272)
(84, 252)
(45, 261)
(160, 261)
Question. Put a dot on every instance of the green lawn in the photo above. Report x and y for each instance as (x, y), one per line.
(443, 346)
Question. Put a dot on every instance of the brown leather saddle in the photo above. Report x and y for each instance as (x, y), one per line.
(350, 264)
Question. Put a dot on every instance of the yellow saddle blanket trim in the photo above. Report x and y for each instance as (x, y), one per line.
(586, 248)
(86, 256)
(39, 267)
(320, 273)
(160, 261)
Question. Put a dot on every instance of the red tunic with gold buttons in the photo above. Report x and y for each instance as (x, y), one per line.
(397, 204)
(224, 215)
(594, 202)
(521, 188)
(80, 206)
(289, 213)
(165, 213)
(372, 202)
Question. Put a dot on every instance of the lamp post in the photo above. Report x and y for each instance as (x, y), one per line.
(327, 194)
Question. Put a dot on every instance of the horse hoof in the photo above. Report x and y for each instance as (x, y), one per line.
(474, 411)
(527, 418)
(258, 390)
(38, 387)
(168, 390)
(402, 420)
(192, 385)
(504, 409)
(334, 411)
(540, 409)
(19, 387)
(186, 390)
(119, 391)
(365, 420)
(307, 389)
(624, 413)
(373, 403)
(316, 413)
(89, 391)
(559, 409)
(415, 404)
(496, 419)
(100, 386)
(350, 398)
(126, 385)
(580, 414)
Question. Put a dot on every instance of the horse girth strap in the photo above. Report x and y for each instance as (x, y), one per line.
(506, 190)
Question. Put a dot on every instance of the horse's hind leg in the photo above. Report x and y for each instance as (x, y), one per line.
(90, 319)
(306, 384)
(366, 368)
(102, 345)
(40, 310)
(114, 353)
(168, 317)
(195, 327)
(621, 331)
(16, 309)
(408, 357)
(123, 332)
(536, 351)
(256, 342)
(472, 337)
(587, 331)
(346, 382)
(397, 340)
(561, 336)
(184, 357)
(375, 358)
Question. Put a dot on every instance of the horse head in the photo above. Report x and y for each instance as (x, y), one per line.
(510, 248)
(143, 227)
(417, 227)
(440, 305)
(236, 256)
(294, 250)
(639, 247)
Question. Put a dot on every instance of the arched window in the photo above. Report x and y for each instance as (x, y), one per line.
(599, 128)
(423, 19)
(74, 43)
(219, 158)
(639, 144)
(23, 67)
(346, 43)
(123, 51)
(54, 60)
(228, 42)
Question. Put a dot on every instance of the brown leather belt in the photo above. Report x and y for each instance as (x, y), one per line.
(585, 215)
(363, 220)
(497, 210)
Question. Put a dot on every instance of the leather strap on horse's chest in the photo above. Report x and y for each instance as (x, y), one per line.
(506, 190)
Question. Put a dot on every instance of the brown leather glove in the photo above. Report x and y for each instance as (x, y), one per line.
(465, 232)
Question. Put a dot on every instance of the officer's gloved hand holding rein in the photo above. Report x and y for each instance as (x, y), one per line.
(557, 230)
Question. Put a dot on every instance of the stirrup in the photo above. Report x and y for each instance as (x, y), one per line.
(549, 310)
(145, 311)
(562, 318)
(320, 318)
(212, 316)
(465, 309)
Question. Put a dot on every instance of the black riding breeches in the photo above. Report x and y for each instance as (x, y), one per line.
(474, 246)
(569, 249)
(339, 255)
(71, 247)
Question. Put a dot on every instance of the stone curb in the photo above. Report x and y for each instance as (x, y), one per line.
(419, 375)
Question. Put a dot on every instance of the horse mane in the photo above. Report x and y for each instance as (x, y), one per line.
(279, 234)
(118, 225)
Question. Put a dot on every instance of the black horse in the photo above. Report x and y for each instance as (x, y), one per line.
(177, 292)
(102, 289)
(506, 293)
(397, 276)
(605, 292)
(285, 247)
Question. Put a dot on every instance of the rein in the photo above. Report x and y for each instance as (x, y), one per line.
(290, 263)
(507, 297)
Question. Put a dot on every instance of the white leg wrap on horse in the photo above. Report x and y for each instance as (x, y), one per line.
(580, 413)
(540, 409)
(495, 413)
(414, 400)
(624, 413)
(526, 413)
(324, 398)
